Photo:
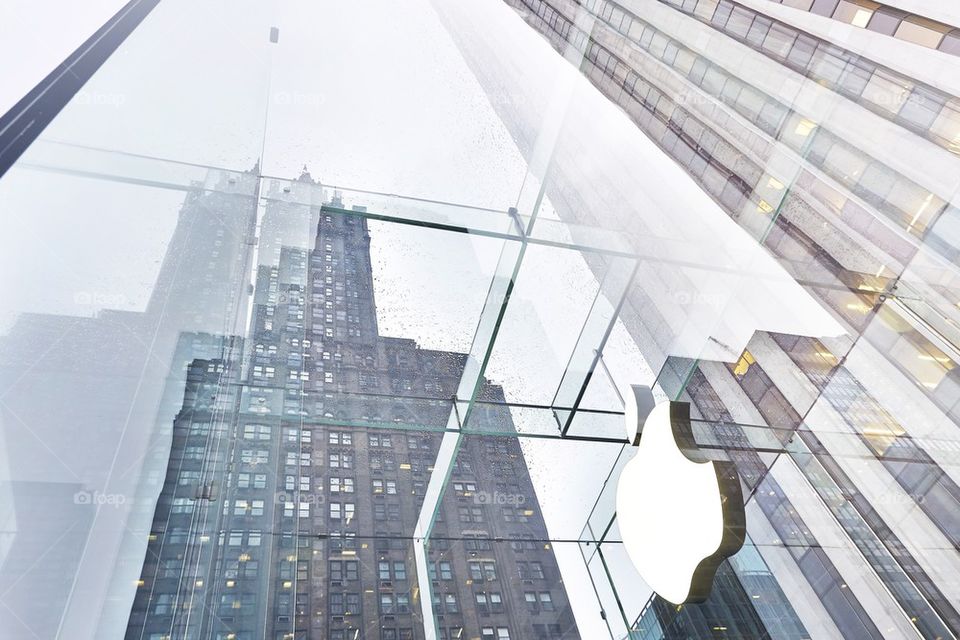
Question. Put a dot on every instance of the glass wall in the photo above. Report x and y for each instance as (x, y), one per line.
(318, 321)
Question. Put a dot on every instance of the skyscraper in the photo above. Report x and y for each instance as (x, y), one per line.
(828, 132)
(300, 462)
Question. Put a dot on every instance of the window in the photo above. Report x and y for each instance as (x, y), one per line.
(546, 601)
(470, 514)
(951, 43)
(377, 440)
(182, 505)
(444, 569)
(386, 603)
(254, 456)
(531, 599)
(340, 460)
(450, 603)
(344, 511)
(337, 604)
(885, 21)
(476, 571)
(248, 507)
(340, 437)
(341, 485)
(256, 432)
(922, 31)
(887, 91)
(343, 570)
(853, 13)
(163, 602)
(536, 569)
(530, 570)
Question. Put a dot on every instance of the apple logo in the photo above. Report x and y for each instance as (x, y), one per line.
(680, 514)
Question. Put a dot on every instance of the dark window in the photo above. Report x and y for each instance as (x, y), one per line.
(824, 7)
(885, 21)
(951, 43)
(802, 51)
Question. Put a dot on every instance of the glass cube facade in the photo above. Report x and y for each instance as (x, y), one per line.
(319, 319)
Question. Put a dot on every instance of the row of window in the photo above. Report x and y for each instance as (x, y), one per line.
(888, 191)
(906, 202)
(891, 561)
(924, 109)
(342, 438)
(486, 571)
(886, 20)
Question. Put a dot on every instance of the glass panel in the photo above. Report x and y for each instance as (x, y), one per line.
(920, 31)
(318, 331)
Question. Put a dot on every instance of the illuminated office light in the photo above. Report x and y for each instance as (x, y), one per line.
(804, 127)
(861, 18)
(923, 207)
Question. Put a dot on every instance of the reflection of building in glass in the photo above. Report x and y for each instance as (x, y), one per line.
(842, 163)
(298, 471)
(73, 388)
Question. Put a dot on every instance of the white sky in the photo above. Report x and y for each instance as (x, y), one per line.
(32, 45)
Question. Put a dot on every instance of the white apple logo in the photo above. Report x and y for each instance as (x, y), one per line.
(679, 517)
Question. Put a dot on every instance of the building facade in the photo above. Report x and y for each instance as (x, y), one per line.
(299, 464)
(836, 148)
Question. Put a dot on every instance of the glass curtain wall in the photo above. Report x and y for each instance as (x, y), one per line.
(318, 319)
